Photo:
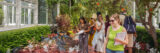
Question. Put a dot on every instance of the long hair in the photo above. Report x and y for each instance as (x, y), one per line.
(83, 19)
(107, 17)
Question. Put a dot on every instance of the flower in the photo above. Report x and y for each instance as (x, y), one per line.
(150, 9)
(137, 45)
(123, 9)
(142, 45)
(97, 3)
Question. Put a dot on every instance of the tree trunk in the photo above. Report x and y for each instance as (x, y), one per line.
(154, 36)
(152, 30)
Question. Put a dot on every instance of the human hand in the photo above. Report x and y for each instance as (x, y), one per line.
(118, 40)
(135, 35)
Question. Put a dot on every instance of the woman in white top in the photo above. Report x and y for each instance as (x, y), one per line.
(99, 37)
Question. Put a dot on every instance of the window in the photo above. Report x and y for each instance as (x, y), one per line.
(1, 14)
(10, 1)
(11, 11)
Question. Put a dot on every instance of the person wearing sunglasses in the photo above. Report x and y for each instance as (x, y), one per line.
(112, 32)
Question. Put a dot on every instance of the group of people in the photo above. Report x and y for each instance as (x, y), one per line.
(101, 36)
(93, 36)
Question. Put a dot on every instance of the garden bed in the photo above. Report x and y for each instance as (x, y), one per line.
(16, 38)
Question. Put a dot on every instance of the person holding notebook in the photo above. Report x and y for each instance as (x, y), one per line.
(112, 32)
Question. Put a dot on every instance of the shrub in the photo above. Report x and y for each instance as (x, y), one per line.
(18, 37)
(144, 36)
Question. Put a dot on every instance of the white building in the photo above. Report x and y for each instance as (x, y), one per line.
(16, 14)
(156, 17)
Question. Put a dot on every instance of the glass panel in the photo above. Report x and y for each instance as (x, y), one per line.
(9, 14)
(24, 3)
(10, 1)
(1, 15)
(42, 12)
(22, 17)
(32, 18)
(14, 15)
(26, 16)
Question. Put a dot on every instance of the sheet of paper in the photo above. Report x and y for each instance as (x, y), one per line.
(120, 36)
(80, 32)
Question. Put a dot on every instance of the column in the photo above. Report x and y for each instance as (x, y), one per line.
(46, 15)
(5, 22)
(36, 12)
(159, 16)
(24, 20)
(18, 13)
(58, 8)
(29, 14)
(13, 15)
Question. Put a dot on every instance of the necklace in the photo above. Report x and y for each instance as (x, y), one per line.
(115, 28)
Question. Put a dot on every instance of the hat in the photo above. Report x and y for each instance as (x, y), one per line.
(94, 16)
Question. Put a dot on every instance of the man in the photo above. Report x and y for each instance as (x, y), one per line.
(123, 16)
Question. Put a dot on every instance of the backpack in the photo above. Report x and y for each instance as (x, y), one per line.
(129, 24)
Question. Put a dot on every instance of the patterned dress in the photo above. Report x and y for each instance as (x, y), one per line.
(99, 37)
(83, 39)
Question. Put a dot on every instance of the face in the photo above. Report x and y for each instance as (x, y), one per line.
(99, 17)
(81, 21)
(92, 20)
(107, 18)
(113, 21)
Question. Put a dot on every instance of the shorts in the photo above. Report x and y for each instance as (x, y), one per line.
(130, 40)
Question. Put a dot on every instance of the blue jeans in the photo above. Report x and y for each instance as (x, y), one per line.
(111, 51)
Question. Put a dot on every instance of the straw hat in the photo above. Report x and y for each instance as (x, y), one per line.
(94, 16)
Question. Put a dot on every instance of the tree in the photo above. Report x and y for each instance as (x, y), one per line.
(144, 7)
(77, 8)
(52, 7)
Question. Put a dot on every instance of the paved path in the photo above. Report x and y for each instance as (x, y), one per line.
(7, 28)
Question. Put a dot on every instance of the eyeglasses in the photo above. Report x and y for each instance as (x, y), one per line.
(111, 21)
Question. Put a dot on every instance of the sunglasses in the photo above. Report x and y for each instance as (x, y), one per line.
(111, 21)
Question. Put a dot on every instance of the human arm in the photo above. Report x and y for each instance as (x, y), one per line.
(125, 42)
(98, 28)
(106, 40)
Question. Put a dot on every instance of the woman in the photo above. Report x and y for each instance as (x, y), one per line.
(107, 24)
(99, 36)
(112, 33)
(92, 30)
(83, 37)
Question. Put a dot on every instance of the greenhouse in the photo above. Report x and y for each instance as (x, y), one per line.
(19, 13)
(79, 26)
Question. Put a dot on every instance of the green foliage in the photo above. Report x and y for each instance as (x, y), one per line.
(52, 2)
(1, 15)
(143, 36)
(87, 7)
(15, 38)
(19, 37)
